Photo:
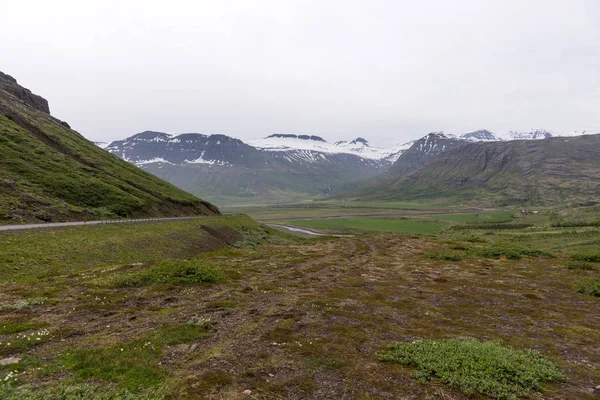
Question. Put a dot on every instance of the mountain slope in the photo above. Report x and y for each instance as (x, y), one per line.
(49, 172)
(545, 171)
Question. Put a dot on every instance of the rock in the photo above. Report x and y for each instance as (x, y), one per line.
(10, 360)
(10, 85)
(271, 375)
(247, 392)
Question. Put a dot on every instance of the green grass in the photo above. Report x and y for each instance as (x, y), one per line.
(9, 327)
(476, 367)
(170, 272)
(370, 224)
(590, 286)
(72, 391)
(43, 254)
(476, 217)
(134, 365)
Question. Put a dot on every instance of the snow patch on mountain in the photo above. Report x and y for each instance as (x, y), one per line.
(358, 146)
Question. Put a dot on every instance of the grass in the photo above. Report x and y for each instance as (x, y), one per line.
(72, 391)
(27, 256)
(370, 225)
(9, 327)
(170, 272)
(590, 286)
(134, 365)
(476, 367)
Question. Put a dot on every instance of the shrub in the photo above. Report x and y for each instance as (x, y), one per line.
(474, 239)
(582, 265)
(443, 255)
(473, 366)
(509, 252)
(590, 286)
(590, 256)
(173, 272)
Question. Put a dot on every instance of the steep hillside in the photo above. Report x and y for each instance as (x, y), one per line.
(48, 172)
(546, 171)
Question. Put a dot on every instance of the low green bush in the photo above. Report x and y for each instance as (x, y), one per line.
(476, 367)
(589, 256)
(443, 255)
(474, 239)
(509, 252)
(590, 286)
(585, 265)
(173, 272)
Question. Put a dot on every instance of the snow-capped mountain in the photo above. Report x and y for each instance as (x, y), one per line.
(534, 134)
(481, 135)
(102, 145)
(217, 166)
(196, 161)
(287, 142)
(423, 150)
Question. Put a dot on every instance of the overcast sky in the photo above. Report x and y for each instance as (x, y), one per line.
(385, 70)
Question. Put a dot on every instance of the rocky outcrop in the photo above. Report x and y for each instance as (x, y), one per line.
(10, 85)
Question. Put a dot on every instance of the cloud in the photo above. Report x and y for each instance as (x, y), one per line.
(386, 70)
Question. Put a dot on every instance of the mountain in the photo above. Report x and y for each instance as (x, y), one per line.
(424, 150)
(284, 167)
(218, 167)
(49, 172)
(481, 135)
(544, 171)
(535, 134)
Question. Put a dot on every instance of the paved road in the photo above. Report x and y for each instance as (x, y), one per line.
(79, 223)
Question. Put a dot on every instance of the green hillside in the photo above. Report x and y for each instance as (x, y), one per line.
(49, 172)
(546, 172)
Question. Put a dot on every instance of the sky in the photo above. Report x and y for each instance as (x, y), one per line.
(389, 71)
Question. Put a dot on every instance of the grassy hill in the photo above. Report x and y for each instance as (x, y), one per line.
(549, 171)
(49, 172)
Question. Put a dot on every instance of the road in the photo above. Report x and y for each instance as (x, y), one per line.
(80, 223)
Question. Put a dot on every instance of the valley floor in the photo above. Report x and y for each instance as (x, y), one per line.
(285, 318)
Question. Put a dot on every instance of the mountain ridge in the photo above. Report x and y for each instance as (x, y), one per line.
(545, 171)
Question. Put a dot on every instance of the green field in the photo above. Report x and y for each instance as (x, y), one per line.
(369, 225)
(475, 217)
